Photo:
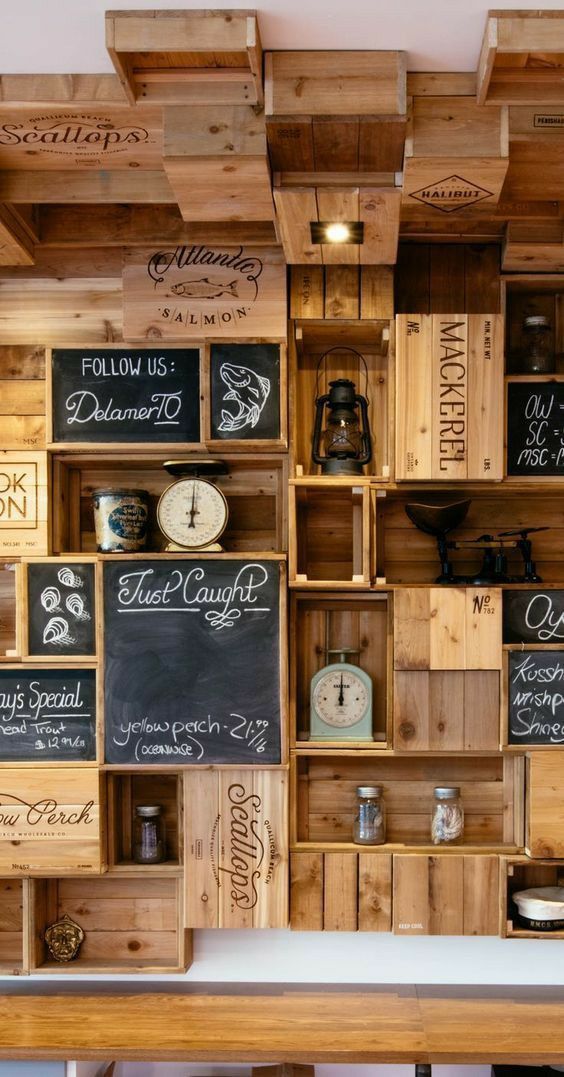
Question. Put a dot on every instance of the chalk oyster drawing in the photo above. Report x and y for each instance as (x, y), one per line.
(57, 631)
(68, 578)
(75, 605)
(248, 393)
(51, 599)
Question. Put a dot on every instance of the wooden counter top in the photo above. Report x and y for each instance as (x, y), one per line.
(380, 1025)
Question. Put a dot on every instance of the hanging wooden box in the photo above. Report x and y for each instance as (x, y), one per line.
(331, 533)
(10, 621)
(456, 157)
(378, 208)
(335, 111)
(125, 793)
(519, 873)
(535, 146)
(24, 503)
(217, 164)
(522, 58)
(533, 247)
(341, 292)
(22, 397)
(13, 912)
(446, 895)
(544, 837)
(132, 924)
(194, 57)
(340, 892)
(449, 397)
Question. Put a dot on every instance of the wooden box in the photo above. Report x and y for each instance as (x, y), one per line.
(195, 57)
(340, 892)
(17, 236)
(446, 710)
(51, 821)
(13, 912)
(10, 620)
(535, 137)
(131, 924)
(449, 397)
(236, 848)
(324, 795)
(457, 628)
(519, 873)
(526, 294)
(335, 111)
(320, 623)
(544, 836)
(521, 58)
(125, 793)
(533, 246)
(24, 500)
(22, 397)
(378, 208)
(319, 292)
(331, 533)
(446, 895)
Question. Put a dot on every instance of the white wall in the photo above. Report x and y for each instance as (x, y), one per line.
(198, 1069)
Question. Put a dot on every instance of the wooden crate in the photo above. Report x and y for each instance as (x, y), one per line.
(195, 57)
(544, 837)
(446, 895)
(520, 873)
(535, 135)
(13, 911)
(331, 533)
(125, 793)
(254, 488)
(331, 620)
(533, 246)
(340, 892)
(51, 821)
(24, 501)
(311, 341)
(521, 58)
(319, 292)
(446, 710)
(22, 397)
(131, 924)
(441, 277)
(527, 294)
(324, 797)
(449, 397)
(335, 111)
(217, 164)
(454, 628)
(378, 208)
(236, 848)
(10, 621)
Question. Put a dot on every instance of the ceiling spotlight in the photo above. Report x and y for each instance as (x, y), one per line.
(337, 231)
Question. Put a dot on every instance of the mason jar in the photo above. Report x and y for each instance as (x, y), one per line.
(149, 845)
(538, 356)
(447, 823)
(370, 819)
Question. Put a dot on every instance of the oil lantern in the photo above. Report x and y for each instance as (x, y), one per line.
(342, 442)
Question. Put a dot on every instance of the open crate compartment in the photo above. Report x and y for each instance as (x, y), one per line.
(522, 874)
(490, 788)
(10, 639)
(322, 623)
(332, 533)
(12, 926)
(312, 340)
(132, 924)
(125, 792)
(254, 487)
(527, 294)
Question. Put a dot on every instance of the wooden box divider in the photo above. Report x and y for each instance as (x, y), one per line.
(521, 873)
(10, 611)
(13, 922)
(125, 792)
(332, 533)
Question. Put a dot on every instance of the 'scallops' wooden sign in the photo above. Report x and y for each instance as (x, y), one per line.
(204, 291)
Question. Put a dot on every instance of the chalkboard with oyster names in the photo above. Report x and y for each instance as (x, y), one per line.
(121, 396)
(533, 616)
(535, 428)
(61, 614)
(47, 715)
(245, 391)
(536, 698)
(192, 661)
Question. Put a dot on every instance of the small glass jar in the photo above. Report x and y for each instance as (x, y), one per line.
(370, 819)
(538, 356)
(149, 835)
(447, 823)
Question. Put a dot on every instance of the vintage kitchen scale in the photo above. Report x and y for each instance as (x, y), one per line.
(192, 512)
(340, 700)
(439, 520)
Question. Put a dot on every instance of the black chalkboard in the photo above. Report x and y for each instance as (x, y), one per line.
(61, 610)
(535, 428)
(126, 396)
(533, 616)
(245, 391)
(192, 661)
(536, 697)
(47, 715)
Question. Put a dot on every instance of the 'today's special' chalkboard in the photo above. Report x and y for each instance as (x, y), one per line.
(192, 654)
(120, 395)
(245, 391)
(536, 697)
(47, 715)
(533, 616)
(535, 428)
(61, 615)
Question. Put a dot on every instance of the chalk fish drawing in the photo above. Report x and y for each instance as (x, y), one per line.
(75, 605)
(204, 289)
(249, 392)
(50, 599)
(57, 631)
(68, 578)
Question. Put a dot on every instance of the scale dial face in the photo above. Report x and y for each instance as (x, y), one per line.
(340, 697)
(192, 513)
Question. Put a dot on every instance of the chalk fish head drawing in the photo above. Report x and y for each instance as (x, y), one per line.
(248, 392)
(205, 289)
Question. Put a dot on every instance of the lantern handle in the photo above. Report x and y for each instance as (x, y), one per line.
(343, 348)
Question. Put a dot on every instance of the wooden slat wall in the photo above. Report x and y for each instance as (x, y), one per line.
(446, 278)
(340, 891)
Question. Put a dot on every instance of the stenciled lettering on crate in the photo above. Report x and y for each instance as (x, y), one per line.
(62, 139)
(24, 527)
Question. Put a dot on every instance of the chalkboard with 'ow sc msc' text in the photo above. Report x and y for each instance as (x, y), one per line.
(192, 657)
(124, 396)
(61, 613)
(536, 698)
(47, 715)
(535, 428)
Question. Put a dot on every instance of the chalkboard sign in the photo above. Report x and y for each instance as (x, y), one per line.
(535, 428)
(47, 715)
(533, 616)
(536, 697)
(61, 612)
(125, 396)
(192, 661)
(245, 391)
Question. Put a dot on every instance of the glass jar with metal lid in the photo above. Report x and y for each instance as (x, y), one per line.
(447, 823)
(538, 356)
(370, 819)
(149, 845)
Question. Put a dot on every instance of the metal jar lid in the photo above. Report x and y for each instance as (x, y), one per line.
(535, 320)
(146, 810)
(369, 791)
(447, 792)
(118, 491)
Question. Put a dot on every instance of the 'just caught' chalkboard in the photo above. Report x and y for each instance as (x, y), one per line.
(536, 697)
(47, 715)
(120, 396)
(192, 653)
(61, 613)
(245, 391)
(535, 428)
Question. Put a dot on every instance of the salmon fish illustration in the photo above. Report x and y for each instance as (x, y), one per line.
(248, 391)
(204, 289)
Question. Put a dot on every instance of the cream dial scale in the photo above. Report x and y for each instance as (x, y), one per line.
(192, 513)
(341, 703)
